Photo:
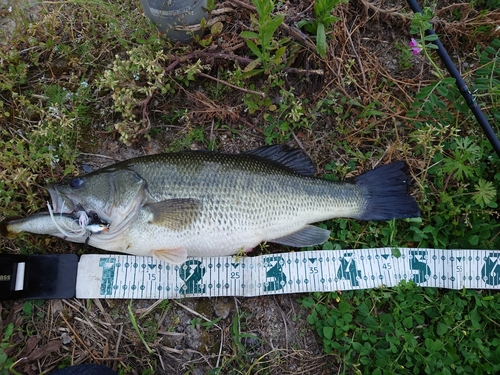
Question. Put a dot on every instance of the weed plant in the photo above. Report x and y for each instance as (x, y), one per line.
(262, 43)
(323, 20)
(133, 81)
(43, 117)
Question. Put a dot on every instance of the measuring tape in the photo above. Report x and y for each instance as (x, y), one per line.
(125, 276)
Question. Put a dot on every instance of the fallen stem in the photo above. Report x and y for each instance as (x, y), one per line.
(261, 94)
(79, 339)
(240, 59)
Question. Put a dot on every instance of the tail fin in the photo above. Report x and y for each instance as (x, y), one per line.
(386, 192)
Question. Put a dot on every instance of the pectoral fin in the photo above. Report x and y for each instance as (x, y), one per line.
(307, 236)
(175, 214)
(172, 256)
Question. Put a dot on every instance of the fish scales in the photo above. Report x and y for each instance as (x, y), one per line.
(240, 186)
(176, 205)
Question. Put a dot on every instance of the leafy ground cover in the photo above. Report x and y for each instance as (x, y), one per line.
(83, 83)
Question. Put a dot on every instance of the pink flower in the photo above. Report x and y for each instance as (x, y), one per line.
(415, 47)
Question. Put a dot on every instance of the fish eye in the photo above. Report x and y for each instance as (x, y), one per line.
(76, 183)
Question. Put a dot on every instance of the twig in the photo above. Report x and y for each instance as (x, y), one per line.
(299, 35)
(147, 310)
(319, 72)
(79, 339)
(198, 54)
(217, 12)
(167, 333)
(171, 350)
(244, 5)
(261, 94)
(241, 59)
(91, 326)
(212, 135)
(118, 340)
(391, 12)
(97, 155)
(299, 143)
(284, 321)
(356, 54)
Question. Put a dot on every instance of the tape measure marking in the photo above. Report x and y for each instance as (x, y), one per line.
(126, 276)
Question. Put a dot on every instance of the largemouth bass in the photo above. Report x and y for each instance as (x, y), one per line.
(176, 205)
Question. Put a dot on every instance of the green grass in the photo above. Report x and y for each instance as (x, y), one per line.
(409, 330)
(5, 361)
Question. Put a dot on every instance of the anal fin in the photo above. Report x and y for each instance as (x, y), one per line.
(307, 236)
(171, 256)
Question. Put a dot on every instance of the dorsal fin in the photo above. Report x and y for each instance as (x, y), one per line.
(292, 158)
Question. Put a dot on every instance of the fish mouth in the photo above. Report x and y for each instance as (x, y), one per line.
(61, 203)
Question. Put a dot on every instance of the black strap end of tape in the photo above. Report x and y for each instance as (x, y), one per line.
(38, 276)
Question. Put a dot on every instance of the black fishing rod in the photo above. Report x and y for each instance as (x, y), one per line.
(471, 102)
